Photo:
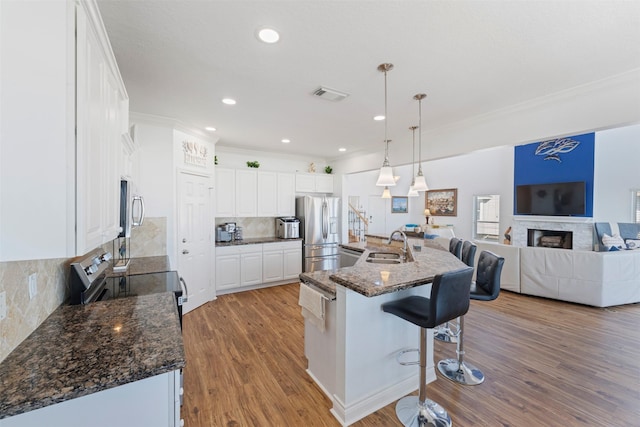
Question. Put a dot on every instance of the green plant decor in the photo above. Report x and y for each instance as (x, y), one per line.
(254, 164)
(328, 169)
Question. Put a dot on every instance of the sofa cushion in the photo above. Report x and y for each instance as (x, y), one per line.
(626, 230)
(632, 243)
(613, 241)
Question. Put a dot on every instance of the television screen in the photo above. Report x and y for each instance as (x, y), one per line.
(556, 199)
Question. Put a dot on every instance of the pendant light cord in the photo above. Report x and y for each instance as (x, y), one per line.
(386, 141)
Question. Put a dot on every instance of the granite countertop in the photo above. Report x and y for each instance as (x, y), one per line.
(83, 349)
(143, 265)
(254, 241)
(372, 280)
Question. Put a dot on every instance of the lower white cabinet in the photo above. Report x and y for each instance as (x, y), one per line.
(250, 265)
(151, 402)
(256, 264)
(227, 267)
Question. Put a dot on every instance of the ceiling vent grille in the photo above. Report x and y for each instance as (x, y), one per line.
(330, 94)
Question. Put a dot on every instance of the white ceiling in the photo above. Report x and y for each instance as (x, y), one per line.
(180, 58)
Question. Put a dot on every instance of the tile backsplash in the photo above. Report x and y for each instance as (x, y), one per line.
(252, 227)
(24, 315)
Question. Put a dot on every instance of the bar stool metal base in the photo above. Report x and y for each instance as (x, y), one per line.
(444, 333)
(412, 414)
(463, 373)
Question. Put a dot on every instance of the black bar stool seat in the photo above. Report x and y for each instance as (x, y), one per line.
(449, 299)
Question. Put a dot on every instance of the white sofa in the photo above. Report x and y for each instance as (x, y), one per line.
(600, 279)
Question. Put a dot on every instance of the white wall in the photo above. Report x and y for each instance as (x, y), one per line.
(483, 172)
(617, 172)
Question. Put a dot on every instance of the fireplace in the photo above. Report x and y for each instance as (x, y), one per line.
(559, 239)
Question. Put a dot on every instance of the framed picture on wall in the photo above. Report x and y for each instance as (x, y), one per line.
(442, 202)
(399, 204)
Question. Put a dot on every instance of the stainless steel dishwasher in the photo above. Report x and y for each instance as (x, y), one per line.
(348, 257)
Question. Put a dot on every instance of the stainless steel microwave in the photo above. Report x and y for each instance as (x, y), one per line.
(131, 208)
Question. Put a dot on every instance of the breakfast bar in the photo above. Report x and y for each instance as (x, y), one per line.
(353, 360)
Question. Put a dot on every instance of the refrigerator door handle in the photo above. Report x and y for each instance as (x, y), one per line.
(325, 219)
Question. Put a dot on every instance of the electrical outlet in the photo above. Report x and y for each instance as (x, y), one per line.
(3, 305)
(33, 285)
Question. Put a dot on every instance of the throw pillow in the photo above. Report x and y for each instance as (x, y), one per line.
(614, 248)
(632, 244)
(610, 241)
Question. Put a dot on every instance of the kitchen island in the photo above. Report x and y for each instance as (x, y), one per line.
(108, 363)
(354, 359)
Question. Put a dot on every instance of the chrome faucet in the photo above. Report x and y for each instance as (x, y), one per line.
(404, 242)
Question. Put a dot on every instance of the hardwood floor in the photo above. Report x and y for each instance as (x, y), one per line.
(547, 363)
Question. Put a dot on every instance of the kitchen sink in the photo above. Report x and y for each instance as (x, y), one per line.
(384, 258)
(384, 261)
(384, 255)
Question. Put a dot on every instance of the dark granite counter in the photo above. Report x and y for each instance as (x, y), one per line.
(83, 349)
(143, 265)
(376, 279)
(254, 241)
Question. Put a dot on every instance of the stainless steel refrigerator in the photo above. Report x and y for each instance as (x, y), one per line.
(320, 232)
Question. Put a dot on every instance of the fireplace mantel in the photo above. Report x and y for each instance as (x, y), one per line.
(581, 227)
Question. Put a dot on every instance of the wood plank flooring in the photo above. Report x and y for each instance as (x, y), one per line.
(547, 363)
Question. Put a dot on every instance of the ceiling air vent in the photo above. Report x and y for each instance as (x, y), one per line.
(330, 94)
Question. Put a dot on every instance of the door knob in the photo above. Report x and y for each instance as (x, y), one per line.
(184, 251)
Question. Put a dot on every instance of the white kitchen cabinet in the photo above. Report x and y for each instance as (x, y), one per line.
(250, 264)
(272, 265)
(314, 183)
(151, 402)
(101, 102)
(59, 190)
(225, 192)
(267, 194)
(292, 261)
(281, 261)
(286, 194)
(227, 267)
(246, 193)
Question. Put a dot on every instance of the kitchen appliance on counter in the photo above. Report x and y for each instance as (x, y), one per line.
(320, 232)
(222, 235)
(89, 282)
(288, 228)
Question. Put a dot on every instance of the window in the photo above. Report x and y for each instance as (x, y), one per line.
(486, 220)
(636, 205)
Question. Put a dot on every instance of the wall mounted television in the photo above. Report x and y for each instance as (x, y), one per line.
(555, 199)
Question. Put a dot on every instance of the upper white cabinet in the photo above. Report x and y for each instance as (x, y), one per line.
(251, 193)
(102, 106)
(58, 191)
(314, 183)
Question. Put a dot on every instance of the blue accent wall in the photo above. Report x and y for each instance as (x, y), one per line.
(550, 166)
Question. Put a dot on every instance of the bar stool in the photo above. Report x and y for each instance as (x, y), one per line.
(449, 299)
(445, 333)
(485, 288)
(455, 247)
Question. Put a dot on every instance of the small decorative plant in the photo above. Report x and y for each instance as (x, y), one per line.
(254, 164)
(328, 169)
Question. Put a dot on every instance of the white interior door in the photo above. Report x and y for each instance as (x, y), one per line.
(377, 215)
(195, 223)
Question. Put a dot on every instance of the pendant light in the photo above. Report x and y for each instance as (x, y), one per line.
(412, 191)
(386, 194)
(385, 178)
(420, 183)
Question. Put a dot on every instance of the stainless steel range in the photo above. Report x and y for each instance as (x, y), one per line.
(89, 282)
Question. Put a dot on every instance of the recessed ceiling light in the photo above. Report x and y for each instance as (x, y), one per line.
(210, 129)
(378, 118)
(342, 149)
(286, 141)
(229, 101)
(268, 35)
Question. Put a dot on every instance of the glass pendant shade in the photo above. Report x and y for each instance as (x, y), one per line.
(385, 178)
(412, 192)
(386, 194)
(420, 182)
